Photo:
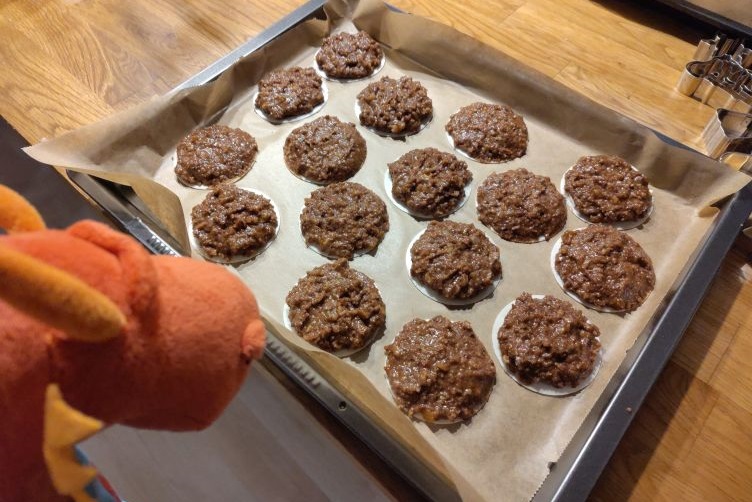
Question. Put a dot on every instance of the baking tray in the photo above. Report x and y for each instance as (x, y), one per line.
(573, 476)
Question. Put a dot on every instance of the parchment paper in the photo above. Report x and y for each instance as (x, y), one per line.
(504, 452)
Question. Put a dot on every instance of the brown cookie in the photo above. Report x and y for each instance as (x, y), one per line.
(429, 182)
(336, 308)
(606, 189)
(289, 93)
(439, 371)
(547, 340)
(521, 206)
(605, 268)
(344, 219)
(349, 56)
(325, 150)
(488, 132)
(395, 107)
(455, 259)
(233, 223)
(214, 154)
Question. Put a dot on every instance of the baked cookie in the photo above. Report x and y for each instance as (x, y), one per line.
(233, 223)
(344, 219)
(214, 154)
(348, 56)
(488, 132)
(289, 93)
(336, 308)
(325, 150)
(605, 267)
(548, 341)
(607, 189)
(456, 260)
(429, 182)
(439, 371)
(521, 206)
(395, 107)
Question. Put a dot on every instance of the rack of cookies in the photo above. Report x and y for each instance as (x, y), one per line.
(459, 257)
(340, 310)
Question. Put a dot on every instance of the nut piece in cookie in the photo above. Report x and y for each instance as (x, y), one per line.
(605, 267)
(521, 206)
(429, 182)
(349, 56)
(439, 371)
(325, 150)
(344, 219)
(395, 107)
(488, 132)
(455, 259)
(336, 308)
(548, 341)
(232, 223)
(214, 154)
(289, 93)
(607, 189)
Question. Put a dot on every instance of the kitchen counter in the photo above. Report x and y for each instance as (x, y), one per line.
(68, 63)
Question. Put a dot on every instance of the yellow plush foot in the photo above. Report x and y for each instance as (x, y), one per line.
(64, 427)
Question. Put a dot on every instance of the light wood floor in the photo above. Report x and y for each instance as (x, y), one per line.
(71, 62)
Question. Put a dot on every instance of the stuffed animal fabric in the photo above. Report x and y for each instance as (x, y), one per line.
(95, 331)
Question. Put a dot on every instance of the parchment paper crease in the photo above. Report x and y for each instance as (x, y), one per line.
(505, 450)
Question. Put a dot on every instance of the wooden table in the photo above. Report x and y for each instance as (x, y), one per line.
(68, 63)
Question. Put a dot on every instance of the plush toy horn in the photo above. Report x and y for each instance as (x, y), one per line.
(45, 292)
(17, 214)
(58, 298)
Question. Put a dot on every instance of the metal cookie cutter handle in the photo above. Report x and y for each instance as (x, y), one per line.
(728, 138)
(699, 65)
(700, 78)
(713, 82)
(707, 48)
(693, 74)
(719, 74)
(743, 98)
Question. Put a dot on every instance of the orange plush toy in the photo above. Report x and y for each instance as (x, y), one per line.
(95, 331)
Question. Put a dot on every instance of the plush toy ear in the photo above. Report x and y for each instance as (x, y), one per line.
(16, 214)
(57, 298)
(139, 274)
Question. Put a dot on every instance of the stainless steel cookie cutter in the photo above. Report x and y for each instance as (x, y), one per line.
(720, 74)
(707, 48)
(728, 138)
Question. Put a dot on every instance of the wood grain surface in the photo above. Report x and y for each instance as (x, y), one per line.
(67, 63)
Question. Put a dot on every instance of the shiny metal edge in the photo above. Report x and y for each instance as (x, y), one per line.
(579, 467)
(425, 480)
(308, 10)
(573, 476)
(127, 216)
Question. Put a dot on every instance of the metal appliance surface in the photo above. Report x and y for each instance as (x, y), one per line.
(726, 15)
